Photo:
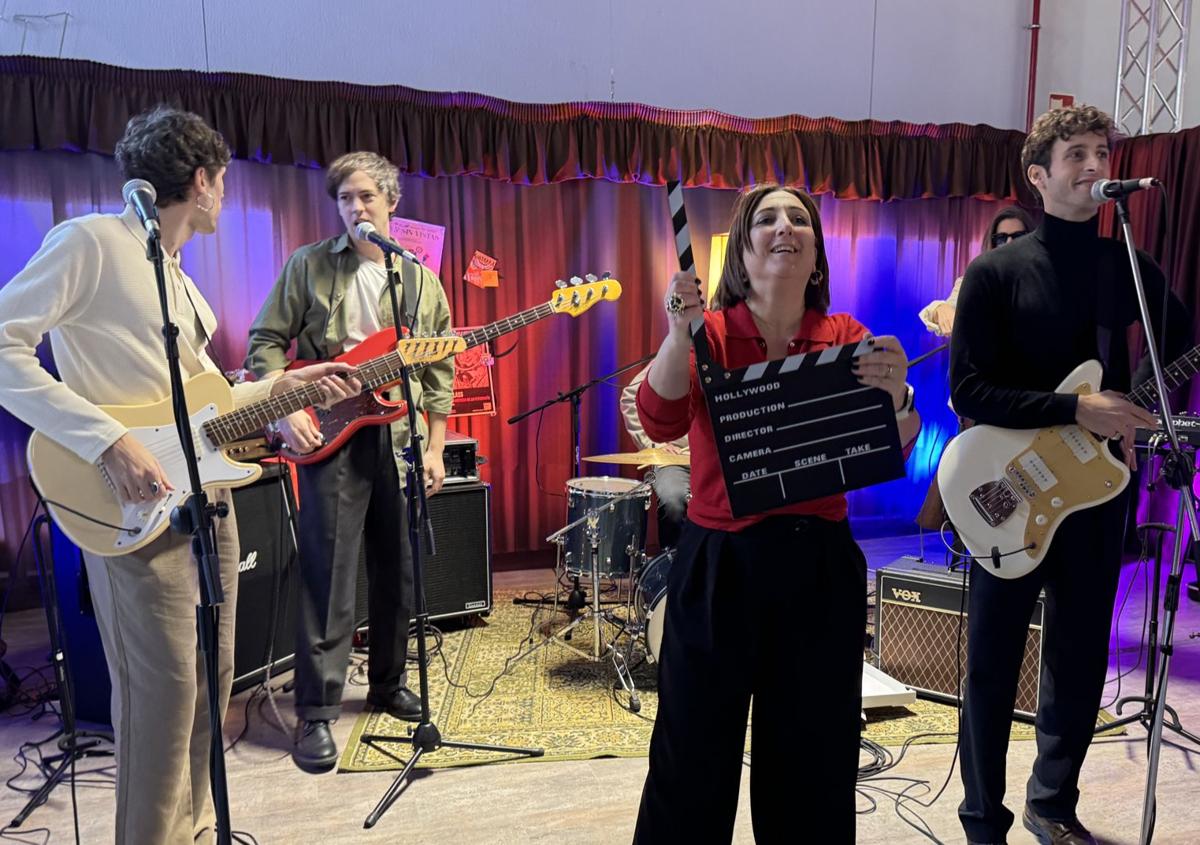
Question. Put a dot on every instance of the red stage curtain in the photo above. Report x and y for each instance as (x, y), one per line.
(57, 104)
(887, 260)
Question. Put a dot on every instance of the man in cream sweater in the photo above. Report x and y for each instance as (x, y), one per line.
(91, 288)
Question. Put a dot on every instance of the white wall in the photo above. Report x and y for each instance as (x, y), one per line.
(933, 61)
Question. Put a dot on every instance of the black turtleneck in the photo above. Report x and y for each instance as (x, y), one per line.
(1032, 310)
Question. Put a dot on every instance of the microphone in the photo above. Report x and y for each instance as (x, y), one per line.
(366, 232)
(1104, 190)
(141, 195)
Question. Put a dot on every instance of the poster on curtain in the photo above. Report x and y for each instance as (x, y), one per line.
(423, 239)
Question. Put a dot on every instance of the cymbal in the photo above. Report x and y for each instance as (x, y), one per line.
(643, 458)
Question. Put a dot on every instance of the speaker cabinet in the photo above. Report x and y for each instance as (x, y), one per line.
(918, 636)
(458, 579)
(266, 632)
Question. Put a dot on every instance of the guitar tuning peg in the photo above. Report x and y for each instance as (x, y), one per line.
(606, 275)
(560, 284)
(575, 280)
(591, 277)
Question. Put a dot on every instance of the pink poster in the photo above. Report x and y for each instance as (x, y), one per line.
(424, 239)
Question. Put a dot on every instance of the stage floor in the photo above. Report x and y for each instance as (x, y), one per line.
(595, 801)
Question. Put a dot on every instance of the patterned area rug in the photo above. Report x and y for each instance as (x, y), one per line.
(558, 700)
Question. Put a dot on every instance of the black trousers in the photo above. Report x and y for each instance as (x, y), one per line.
(1079, 575)
(776, 613)
(353, 498)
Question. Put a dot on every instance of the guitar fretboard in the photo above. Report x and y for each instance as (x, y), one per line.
(374, 374)
(1175, 374)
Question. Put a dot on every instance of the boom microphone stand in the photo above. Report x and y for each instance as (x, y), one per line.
(1179, 473)
(425, 738)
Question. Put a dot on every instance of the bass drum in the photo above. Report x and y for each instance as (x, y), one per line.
(651, 600)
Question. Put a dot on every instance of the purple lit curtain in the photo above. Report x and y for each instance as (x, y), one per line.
(887, 260)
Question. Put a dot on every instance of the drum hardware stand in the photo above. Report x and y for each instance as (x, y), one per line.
(73, 744)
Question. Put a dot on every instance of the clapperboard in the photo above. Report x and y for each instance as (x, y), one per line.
(798, 428)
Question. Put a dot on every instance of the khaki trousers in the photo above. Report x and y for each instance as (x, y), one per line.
(145, 605)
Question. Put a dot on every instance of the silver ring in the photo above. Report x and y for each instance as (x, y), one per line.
(675, 304)
(154, 487)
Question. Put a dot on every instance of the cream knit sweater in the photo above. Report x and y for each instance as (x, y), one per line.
(91, 287)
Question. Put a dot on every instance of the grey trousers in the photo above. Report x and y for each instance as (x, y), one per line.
(145, 606)
(353, 499)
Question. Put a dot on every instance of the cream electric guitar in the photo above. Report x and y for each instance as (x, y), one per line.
(83, 501)
(1007, 490)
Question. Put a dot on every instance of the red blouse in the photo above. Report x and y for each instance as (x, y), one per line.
(735, 341)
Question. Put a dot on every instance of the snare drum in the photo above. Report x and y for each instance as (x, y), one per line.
(651, 600)
(622, 525)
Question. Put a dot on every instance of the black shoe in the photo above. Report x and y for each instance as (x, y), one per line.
(400, 703)
(314, 750)
(1052, 832)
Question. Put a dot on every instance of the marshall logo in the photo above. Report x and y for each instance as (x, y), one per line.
(249, 563)
(913, 596)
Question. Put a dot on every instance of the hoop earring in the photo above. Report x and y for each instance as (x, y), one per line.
(212, 203)
(816, 278)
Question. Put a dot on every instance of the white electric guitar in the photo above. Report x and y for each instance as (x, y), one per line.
(1006, 491)
(83, 500)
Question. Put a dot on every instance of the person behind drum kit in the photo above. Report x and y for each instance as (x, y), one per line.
(772, 302)
(672, 484)
(1008, 225)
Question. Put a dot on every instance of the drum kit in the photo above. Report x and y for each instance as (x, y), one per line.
(603, 543)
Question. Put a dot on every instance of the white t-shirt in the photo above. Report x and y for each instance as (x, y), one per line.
(363, 300)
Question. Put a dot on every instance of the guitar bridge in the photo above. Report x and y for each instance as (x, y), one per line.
(995, 501)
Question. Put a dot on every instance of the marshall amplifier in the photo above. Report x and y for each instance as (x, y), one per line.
(458, 579)
(267, 577)
(916, 626)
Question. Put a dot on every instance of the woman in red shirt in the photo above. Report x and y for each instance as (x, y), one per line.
(734, 631)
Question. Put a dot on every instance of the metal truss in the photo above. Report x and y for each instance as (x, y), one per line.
(1152, 65)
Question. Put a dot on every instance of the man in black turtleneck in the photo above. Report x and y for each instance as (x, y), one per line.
(1028, 313)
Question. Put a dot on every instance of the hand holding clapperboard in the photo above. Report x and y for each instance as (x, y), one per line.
(798, 428)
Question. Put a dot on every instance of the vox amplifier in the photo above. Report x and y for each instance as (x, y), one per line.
(919, 639)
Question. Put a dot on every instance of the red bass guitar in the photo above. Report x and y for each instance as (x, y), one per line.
(379, 363)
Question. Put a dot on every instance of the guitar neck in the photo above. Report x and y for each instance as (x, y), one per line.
(246, 420)
(385, 369)
(1175, 374)
(374, 374)
(510, 324)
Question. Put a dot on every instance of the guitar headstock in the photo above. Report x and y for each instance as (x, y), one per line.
(429, 350)
(583, 293)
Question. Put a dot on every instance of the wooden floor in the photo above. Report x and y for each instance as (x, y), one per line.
(596, 801)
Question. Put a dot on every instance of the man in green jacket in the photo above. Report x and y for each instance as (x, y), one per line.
(331, 296)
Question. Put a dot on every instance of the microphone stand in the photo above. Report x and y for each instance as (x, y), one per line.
(575, 397)
(195, 517)
(1179, 473)
(425, 738)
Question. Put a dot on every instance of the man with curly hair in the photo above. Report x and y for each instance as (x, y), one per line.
(1028, 314)
(92, 290)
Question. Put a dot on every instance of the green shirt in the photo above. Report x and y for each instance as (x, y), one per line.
(306, 306)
